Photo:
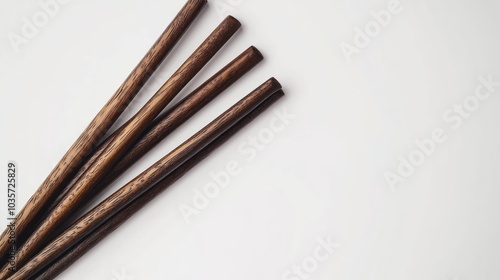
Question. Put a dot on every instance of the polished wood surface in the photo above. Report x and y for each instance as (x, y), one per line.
(122, 141)
(83, 246)
(168, 121)
(144, 181)
(162, 126)
(90, 137)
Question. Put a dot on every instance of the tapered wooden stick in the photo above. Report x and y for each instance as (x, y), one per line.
(117, 220)
(168, 121)
(125, 138)
(90, 137)
(144, 181)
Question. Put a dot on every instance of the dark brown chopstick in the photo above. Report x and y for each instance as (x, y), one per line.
(125, 138)
(84, 145)
(137, 186)
(117, 220)
(166, 123)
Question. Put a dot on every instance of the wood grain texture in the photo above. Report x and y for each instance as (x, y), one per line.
(122, 141)
(117, 220)
(89, 138)
(160, 128)
(144, 181)
(168, 121)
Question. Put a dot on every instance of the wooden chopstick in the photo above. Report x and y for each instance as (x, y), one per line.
(82, 247)
(125, 138)
(166, 123)
(137, 186)
(89, 138)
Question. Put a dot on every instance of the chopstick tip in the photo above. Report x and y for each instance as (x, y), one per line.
(280, 93)
(275, 83)
(233, 21)
(198, 2)
(255, 52)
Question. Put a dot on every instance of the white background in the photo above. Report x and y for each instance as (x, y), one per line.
(322, 176)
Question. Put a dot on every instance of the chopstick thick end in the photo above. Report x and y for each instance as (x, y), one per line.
(274, 83)
(232, 21)
(255, 53)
